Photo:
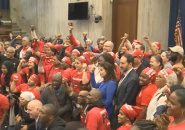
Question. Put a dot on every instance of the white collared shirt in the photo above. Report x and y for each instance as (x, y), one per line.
(121, 80)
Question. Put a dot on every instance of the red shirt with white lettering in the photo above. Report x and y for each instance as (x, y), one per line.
(75, 78)
(97, 119)
(24, 87)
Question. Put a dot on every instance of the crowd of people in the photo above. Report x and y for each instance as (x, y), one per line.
(65, 84)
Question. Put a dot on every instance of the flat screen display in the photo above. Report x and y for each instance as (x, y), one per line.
(78, 11)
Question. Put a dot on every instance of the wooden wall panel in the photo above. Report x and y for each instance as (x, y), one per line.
(124, 20)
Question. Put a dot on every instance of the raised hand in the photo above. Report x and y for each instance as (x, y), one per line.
(125, 36)
(146, 39)
(58, 36)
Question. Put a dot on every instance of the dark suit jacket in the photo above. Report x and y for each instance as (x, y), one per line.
(127, 91)
(61, 100)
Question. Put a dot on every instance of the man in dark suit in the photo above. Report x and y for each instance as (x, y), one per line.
(33, 108)
(128, 86)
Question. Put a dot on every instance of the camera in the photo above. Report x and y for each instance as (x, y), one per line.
(97, 18)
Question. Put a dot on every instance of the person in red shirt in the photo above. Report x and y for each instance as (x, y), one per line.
(176, 108)
(156, 63)
(54, 68)
(97, 116)
(37, 45)
(79, 77)
(147, 90)
(31, 86)
(75, 53)
(126, 116)
(17, 78)
(32, 68)
(4, 106)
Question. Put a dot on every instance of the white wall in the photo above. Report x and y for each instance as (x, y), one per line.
(153, 20)
(51, 17)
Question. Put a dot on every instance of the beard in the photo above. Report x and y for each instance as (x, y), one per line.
(173, 58)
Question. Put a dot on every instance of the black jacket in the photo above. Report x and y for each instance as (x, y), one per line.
(57, 124)
(60, 100)
(127, 90)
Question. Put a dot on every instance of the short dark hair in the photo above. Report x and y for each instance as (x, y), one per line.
(142, 47)
(159, 59)
(146, 125)
(180, 93)
(176, 87)
(129, 57)
(107, 57)
(51, 109)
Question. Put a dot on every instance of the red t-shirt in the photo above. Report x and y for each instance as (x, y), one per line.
(48, 60)
(50, 70)
(25, 72)
(75, 77)
(127, 127)
(38, 46)
(145, 95)
(19, 77)
(97, 119)
(177, 127)
(24, 87)
(4, 104)
(67, 74)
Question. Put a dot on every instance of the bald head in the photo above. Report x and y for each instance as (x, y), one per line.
(25, 41)
(83, 93)
(108, 46)
(57, 76)
(33, 108)
(56, 80)
(10, 51)
(94, 95)
(82, 97)
(35, 103)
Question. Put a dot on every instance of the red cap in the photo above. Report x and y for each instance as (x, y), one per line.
(82, 59)
(67, 60)
(48, 44)
(76, 52)
(137, 53)
(87, 54)
(166, 72)
(149, 71)
(33, 59)
(35, 78)
(58, 47)
(138, 42)
(158, 45)
(131, 111)
(113, 55)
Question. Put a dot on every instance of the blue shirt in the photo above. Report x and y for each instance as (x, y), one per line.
(108, 90)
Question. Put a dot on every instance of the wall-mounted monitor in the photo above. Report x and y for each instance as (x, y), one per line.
(78, 11)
